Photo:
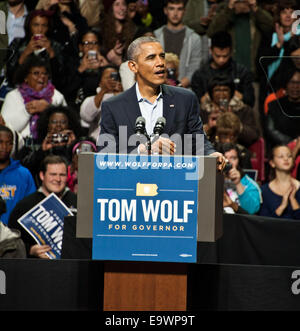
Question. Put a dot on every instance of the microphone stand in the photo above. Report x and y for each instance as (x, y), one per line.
(148, 144)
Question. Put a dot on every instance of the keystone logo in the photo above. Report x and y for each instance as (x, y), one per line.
(2, 282)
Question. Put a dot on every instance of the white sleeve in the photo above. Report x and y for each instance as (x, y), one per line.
(14, 111)
(88, 109)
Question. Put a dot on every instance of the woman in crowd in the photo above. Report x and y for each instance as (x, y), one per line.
(57, 129)
(281, 196)
(67, 22)
(90, 110)
(38, 40)
(35, 92)
(117, 30)
(227, 130)
(83, 71)
(172, 67)
(242, 194)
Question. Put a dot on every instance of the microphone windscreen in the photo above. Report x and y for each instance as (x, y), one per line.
(161, 121)
(140, 120)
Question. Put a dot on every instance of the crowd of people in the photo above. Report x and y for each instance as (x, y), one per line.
(61, 59)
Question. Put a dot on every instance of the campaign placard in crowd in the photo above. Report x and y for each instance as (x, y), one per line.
(145, 210)
(45, 223)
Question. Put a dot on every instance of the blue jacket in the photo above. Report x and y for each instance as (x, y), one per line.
(251, 198)
(16, 183)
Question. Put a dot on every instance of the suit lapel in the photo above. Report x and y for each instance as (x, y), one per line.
(132, 108)
(169, 108)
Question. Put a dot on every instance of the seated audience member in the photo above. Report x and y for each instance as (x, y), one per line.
(38, 40)
(222, 63)
(117, 30)
(53, 176)
(138, 12)
(247, 23)
(281, 196)
(221, 96)
(90, 110)
(57, 128)
(242, 194)
(35, 92)
(67, 22)
(177, 38)
(283, 117)
(16, 181)
(83, 72)
(80, 146)
(227, 130)
(18, 141)
(172, 67)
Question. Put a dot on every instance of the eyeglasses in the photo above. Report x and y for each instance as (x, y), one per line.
(62, 122)
(86, 43)
(39, 73)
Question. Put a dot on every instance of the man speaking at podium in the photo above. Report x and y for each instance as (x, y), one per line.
(140, 107)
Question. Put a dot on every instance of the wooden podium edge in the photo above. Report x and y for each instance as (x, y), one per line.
(144, 286)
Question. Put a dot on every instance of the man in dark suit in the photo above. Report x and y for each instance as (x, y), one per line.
(150, 98)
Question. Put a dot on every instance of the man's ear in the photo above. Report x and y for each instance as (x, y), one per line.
(132, 66)
(41, 175)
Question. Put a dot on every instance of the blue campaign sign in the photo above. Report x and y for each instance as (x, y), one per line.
(144, 208)
(45, 223)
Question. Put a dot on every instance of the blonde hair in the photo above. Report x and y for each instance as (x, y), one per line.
(171, 57)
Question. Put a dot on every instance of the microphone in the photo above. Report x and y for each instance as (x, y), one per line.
(140, 124)
(159, 126)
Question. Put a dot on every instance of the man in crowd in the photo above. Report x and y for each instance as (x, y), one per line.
(16, 181)
(222, 63)
(177, 38)
(152, 99)
(53, 175)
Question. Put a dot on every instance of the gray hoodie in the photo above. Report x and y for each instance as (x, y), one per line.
(190, 55)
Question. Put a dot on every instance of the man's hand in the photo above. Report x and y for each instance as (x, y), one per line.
(39, 251)
(163, 146)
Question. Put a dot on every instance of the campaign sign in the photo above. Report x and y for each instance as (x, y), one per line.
(144, 209)
(45, 223)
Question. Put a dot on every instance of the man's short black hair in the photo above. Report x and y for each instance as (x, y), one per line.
(4, 128)
(221, 40)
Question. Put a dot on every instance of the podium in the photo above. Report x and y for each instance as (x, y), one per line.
(142, 284)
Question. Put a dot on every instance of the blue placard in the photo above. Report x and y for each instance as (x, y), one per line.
(45, 223)
(145, 209)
